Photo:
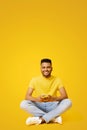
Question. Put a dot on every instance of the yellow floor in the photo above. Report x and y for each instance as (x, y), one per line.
(72, 119)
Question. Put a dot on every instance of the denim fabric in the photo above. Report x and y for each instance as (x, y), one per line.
(46, 110)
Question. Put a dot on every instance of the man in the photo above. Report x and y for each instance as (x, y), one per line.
(42, 100)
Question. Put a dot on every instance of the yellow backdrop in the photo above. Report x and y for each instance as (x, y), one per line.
(35, 29)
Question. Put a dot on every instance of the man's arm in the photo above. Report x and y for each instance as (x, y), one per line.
(63, 95)
(30, 97)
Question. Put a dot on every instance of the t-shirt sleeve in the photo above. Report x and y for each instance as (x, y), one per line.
(31, 84)
(60, 84)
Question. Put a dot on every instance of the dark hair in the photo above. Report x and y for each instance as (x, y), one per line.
(46, 60)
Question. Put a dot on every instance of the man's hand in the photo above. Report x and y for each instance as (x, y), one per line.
(47, 98)
(42, 98)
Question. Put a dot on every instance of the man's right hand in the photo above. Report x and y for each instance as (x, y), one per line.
(42, 98)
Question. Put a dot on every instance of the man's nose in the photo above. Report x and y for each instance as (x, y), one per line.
(45, 69)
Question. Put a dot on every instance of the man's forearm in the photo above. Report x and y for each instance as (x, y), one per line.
(60, 98)
(30, 98)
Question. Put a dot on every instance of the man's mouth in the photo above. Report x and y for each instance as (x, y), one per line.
(46, 72)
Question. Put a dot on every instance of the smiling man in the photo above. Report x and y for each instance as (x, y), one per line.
(46, 67)
(45, 106)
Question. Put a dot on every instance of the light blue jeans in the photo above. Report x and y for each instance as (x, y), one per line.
(46, 110)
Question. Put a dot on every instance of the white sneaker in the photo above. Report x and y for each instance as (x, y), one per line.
(33, 120)
(58, 120)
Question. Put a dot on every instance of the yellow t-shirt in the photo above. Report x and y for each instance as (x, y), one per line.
(48, 86)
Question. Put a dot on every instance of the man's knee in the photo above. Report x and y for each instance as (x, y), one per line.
(67, 101)
(24, 104)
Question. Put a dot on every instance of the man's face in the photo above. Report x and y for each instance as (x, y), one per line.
(46, 69)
